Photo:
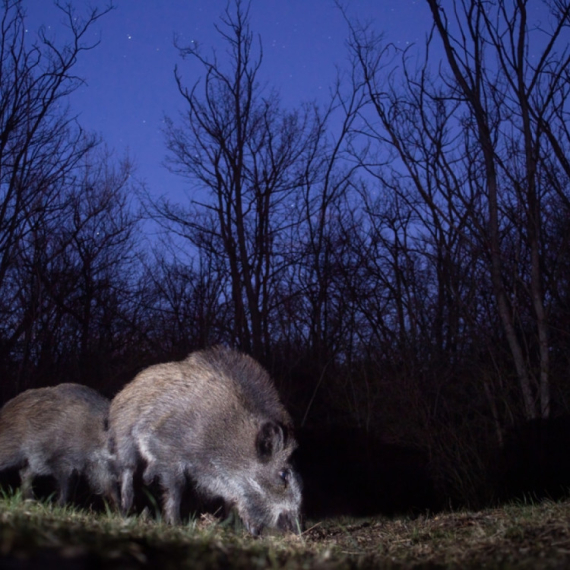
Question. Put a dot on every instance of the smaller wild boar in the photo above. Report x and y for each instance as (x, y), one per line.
(216, 419)
(57, 431)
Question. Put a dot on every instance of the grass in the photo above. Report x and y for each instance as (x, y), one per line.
(517, 536)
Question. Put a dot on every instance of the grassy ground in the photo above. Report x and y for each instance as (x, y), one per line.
(38, 535)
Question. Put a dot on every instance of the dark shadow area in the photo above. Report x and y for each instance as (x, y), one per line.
(349, 472)
(148, 499)
(534, 462)
(45, 488)
(52, 559)
(10, 481)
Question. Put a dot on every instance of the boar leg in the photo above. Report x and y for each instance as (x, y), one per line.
(26, 477)
(172, 485)
(111, 493)
(127, 493)
(62, 476)
(150, 473)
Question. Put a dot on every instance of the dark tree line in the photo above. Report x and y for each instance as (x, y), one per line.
(398, 258)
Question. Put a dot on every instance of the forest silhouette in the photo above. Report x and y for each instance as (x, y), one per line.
(398, 258)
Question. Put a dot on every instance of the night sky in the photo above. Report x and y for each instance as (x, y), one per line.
(129, 76)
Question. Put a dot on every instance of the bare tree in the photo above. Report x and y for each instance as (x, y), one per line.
(241, 150)
(527, 95)
(73, 273)
(40, 142)
(65, 221)
(185, 303)
(471, 143)
(326, 199)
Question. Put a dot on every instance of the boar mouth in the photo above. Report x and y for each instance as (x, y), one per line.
(288, 522)
(257, 519)
(253, 529)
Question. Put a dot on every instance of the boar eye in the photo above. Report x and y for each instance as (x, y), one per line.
(285, 475)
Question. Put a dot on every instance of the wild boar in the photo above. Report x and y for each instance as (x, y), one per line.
(216, 419)
(57, 431)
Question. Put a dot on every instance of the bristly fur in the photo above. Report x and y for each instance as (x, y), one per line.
(216, 419)
(57, 431)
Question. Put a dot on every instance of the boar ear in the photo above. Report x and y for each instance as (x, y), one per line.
(270, 440)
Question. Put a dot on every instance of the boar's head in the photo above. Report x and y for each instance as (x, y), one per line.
(270, 488)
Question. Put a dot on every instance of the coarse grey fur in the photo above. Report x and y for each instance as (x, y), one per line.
(215, 418)
(57, 431)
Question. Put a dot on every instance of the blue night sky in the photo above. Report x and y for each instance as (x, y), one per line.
(129, 76)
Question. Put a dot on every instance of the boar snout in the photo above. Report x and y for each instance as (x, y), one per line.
(289, 522)
(271, 492)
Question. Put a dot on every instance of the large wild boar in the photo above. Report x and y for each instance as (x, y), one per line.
(57, 431)
(216, 419)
